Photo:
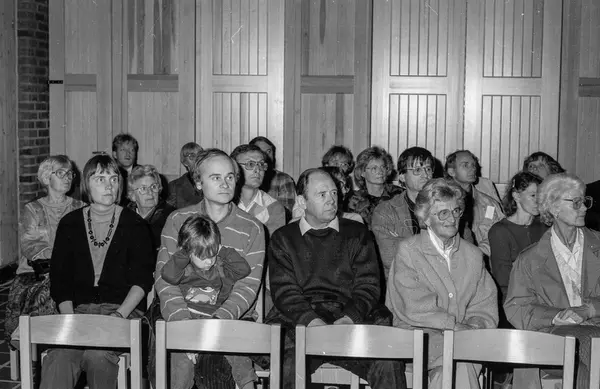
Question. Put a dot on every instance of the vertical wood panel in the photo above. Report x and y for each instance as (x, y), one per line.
(527, 38)
(265, 22)
(538, 33)
(81, 126)
(518, 17)
(9, 195)
(513, 161)
(235, 36)
(509, 22)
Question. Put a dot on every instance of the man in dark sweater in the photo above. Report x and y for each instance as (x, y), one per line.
(324, 271)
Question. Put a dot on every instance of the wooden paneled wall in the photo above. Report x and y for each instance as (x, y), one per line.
(455, 74)
(9, 184)
(418, 75)
(327, 79)
(125, 66)
(239, 72)
(587, 164)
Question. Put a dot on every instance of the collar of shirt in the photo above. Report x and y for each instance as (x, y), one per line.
(304, 226)
(439, 246)
(562, 250)
(258, 200)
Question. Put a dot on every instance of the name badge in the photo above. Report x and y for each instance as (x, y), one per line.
(489, 212)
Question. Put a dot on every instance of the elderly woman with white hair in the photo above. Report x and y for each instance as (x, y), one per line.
(555, 284)
(438, 280)
(30, 291)
(143, 189)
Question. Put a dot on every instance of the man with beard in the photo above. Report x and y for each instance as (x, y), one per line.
(324, 271)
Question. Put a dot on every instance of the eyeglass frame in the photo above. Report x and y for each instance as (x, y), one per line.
(188, 155)
(420, 169)
(144, 189)
(377, 168)
(583, 200)
(251, 165)
(452, 212)
(64, 173)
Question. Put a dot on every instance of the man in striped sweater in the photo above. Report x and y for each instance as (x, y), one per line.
(215, 174)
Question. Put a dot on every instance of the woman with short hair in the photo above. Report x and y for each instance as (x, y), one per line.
(374, 168)
(438, 280)
(555, 284)
(143, 189)
(102, 263)
(30, 290)
(542, 164)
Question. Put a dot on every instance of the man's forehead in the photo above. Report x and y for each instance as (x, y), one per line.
(320, 181)
(253, 155)
(217, 165)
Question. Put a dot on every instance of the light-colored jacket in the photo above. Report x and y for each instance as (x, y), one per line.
(390, 224)
(486, 213)
(423, 292)
(536, 292)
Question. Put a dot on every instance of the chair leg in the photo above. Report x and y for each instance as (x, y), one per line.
(14, 365)
(122, 377)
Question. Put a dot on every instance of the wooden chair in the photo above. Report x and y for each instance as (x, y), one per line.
(359, 341)
(508, 346)
(82, 331)
(221, 336)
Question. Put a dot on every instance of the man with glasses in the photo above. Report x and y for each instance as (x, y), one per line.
(481, 210)
(253, 165)
(394, 219)
(324, 271)
(182, 191)
(278, 184)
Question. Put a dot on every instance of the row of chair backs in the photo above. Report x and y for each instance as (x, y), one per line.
(242, 337)
(98, 331)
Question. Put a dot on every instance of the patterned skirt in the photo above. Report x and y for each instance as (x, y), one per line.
(28, 295)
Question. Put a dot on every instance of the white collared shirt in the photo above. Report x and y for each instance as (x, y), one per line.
(258, 207)
(304, 226)
(570, 265)
(439, 246)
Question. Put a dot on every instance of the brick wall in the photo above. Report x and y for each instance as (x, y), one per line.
(33, 122)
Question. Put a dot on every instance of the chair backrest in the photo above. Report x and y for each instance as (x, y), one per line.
(222, 336)
(81, 331)
(509, 346)
(359, 341)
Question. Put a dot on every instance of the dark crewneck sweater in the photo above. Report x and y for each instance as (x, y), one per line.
(322, 266)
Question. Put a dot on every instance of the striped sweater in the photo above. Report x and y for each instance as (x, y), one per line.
(239, 231)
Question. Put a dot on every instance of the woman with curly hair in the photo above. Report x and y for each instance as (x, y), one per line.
(555, 284)
(374, 168)
(30, 291)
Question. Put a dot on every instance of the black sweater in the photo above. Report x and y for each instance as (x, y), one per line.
(322, 266)
(129, 261)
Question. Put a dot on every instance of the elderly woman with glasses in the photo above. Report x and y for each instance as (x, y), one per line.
(372, 173)
(555, 284)
(102, 264)
(438, 280)
(30, 291)
(143, 189)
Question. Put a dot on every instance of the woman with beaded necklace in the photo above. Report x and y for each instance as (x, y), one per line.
(102, 263)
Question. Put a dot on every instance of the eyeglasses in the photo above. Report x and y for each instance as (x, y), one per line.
(250, 165)
(533, 168)
(376, 169)
(417, 171)
(62, 173)
(145, 189)
(190, 155)
(445, 213)
(586, 201)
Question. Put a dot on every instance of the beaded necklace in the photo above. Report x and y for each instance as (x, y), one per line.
(91, 232)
